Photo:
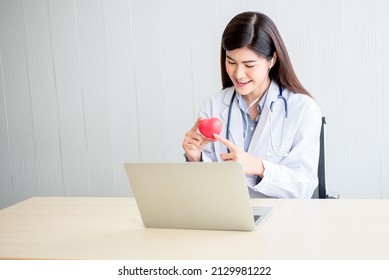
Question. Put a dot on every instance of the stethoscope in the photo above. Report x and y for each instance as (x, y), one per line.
(279, 97)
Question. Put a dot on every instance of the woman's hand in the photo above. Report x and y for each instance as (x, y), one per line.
(194, 143)
(251, 164)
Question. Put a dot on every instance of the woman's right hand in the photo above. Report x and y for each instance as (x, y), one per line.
(194, 143)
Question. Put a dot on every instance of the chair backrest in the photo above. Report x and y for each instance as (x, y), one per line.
(321, 191)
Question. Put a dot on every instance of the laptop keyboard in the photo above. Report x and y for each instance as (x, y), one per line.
(256, 217)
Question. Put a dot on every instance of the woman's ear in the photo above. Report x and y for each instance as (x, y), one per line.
(273, 60)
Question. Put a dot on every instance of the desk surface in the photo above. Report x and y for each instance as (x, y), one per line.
(111, 228)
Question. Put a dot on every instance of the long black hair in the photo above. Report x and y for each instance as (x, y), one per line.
(258, 32)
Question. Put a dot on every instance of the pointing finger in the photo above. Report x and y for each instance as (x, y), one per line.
(225, 142)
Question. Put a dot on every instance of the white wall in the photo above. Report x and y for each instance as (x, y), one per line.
(87, 85)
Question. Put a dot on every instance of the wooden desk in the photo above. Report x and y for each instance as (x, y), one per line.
(111, 228)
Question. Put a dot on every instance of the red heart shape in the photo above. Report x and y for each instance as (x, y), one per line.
(208, 127)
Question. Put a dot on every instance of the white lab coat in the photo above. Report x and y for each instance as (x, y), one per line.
(290, 159)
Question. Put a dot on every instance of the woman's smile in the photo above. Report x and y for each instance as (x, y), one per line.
(242, 83)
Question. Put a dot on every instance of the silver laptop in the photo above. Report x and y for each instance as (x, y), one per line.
(211, 196)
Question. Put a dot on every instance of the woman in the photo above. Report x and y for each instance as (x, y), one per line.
(271, 124)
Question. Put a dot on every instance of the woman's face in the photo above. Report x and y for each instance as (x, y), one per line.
(248, 72)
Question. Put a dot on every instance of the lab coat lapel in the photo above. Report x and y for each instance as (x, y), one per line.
(236, 122)
(263, 120)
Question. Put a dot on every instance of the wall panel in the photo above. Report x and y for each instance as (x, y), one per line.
(7, 184)
(44, 100)
(122, 90)
(21, 133)
(71, 99)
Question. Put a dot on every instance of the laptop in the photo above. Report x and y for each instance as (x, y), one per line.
(198, 195)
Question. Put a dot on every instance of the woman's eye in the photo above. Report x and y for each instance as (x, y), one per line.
(250, 66)
(231, 62)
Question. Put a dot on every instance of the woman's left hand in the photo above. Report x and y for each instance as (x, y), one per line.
(251, 164)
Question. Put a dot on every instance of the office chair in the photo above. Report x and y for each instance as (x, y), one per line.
(321, 190)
